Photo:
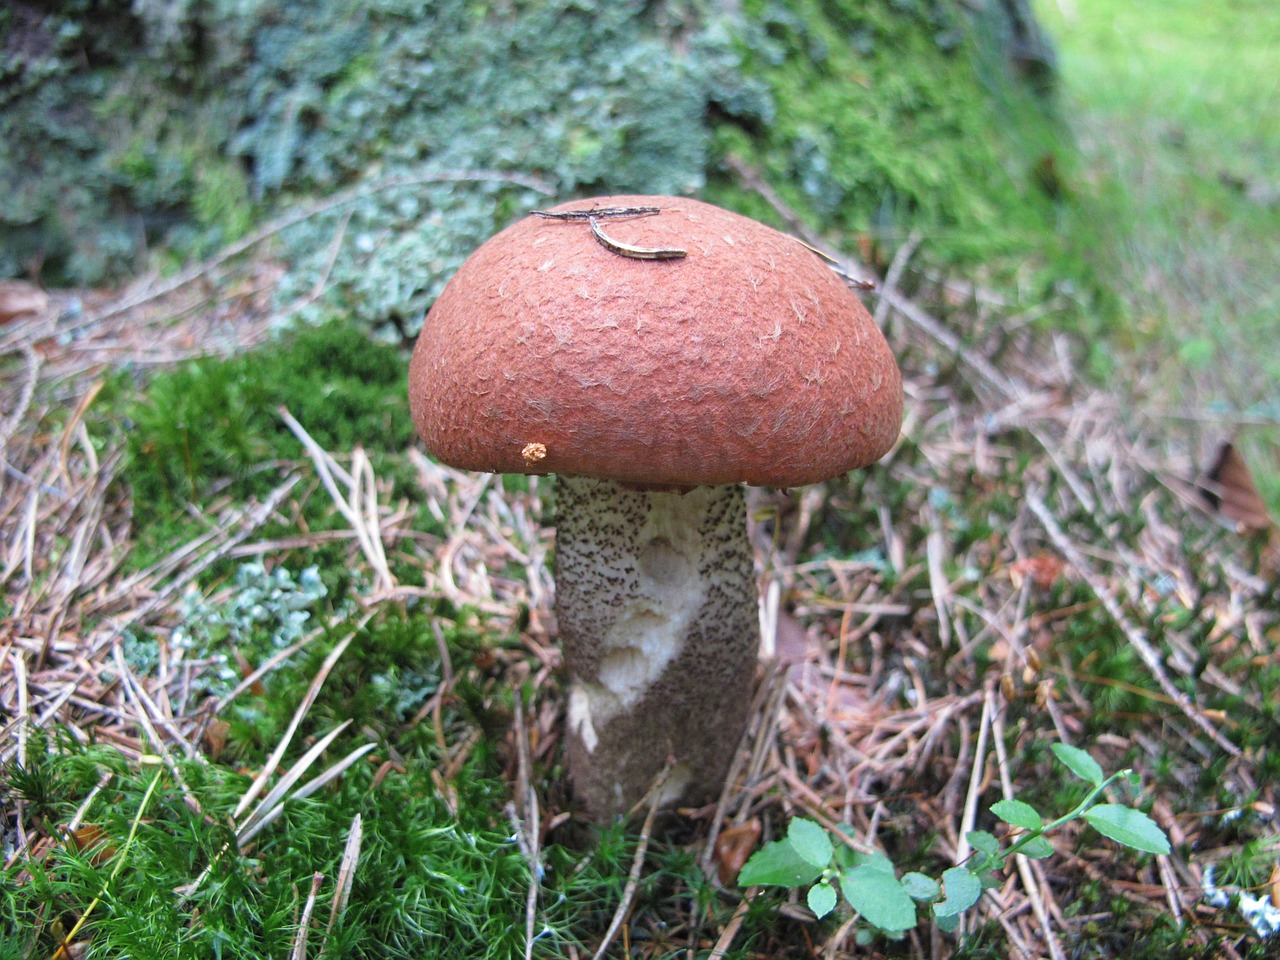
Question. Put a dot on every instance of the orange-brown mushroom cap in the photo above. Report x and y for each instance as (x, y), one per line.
(748, 360)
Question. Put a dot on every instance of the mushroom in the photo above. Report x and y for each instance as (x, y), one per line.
(655, 353)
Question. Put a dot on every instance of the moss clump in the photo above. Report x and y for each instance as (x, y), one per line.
(211, 425)
(189, 117)
(107, 143)
(893, 117)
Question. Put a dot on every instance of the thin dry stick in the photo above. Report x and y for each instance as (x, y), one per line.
(346, 873)
(269, 768)
(269, 230)
(272, 804)
(246, 522)
(637, 863)
(83, 810)
(22, 720)
(970, 816)
(837, 939)
(767, 694)
(734, 925)
(135, 696)
(146, 704)
(939, 587)
(11, 422)
(896, 301)
(299, 951)
(267, 667)
(1137, 639)
(894, 274)
(65, 947)
(75, 427)
(459, 521)
(359, 506)
(364, 504)
(1171, 893)
(527, 832)
(979, 364)
(19, 660)
(1022, 863)
(318, 288)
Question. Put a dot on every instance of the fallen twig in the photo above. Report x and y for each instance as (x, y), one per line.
(298, 215)
(637, 863)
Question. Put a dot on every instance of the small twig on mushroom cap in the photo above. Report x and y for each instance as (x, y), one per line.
(595, 215)
(632, 251)
(598, 213)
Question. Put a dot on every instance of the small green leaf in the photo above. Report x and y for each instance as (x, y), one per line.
(1018, 813)
(962, 887)
(879, 897)
(947, 923)
(876, 860)
(1125, 825)
(822, 899)
(1079, 763)
(845, 856)
(810, 841)
(983, 842)
(1037, 848)
(778, 864)
(990, 879)
(920, 887)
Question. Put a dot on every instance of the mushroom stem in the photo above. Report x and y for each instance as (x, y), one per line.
(656, 604)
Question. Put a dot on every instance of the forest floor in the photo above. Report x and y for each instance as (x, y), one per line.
(322, 704)
(276, 684)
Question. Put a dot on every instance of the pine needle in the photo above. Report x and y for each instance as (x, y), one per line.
(269, 768)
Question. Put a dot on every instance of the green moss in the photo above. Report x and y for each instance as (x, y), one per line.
(212, 428)
(431, 880)
(883, 125)
(438, 873)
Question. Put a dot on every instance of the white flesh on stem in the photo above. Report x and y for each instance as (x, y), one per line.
(656, 606)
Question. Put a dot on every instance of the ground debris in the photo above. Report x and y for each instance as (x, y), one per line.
(929, 624)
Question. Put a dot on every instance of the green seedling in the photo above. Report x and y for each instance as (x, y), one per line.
(869, 881)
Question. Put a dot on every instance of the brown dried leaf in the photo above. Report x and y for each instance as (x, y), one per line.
(93, 838)
(215, 738)
(70, 951)
(1042, 569)
(246, 671)
(733, 847)
(1230, 492)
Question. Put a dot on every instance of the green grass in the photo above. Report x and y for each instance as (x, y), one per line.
(1176, 106)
